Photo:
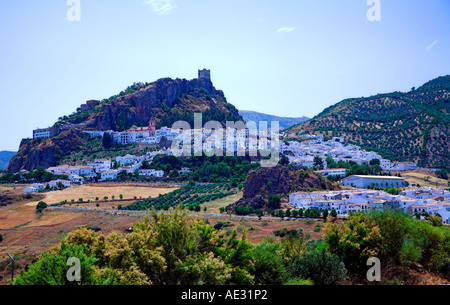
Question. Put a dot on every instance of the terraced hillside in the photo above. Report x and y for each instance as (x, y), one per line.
(413, 126)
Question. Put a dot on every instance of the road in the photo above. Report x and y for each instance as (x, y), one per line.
(139, 213)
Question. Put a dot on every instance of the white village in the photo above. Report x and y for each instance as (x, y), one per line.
(360, 193)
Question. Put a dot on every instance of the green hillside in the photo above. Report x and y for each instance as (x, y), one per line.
(413, 126)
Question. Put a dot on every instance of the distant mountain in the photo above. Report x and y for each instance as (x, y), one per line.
(412, 126)
(261, 117)
(5, 157)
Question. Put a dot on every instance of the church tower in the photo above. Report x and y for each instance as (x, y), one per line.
(152, 127)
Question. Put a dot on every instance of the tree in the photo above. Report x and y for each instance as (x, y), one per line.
(52, 270)
(41, 206)
(375, 162)
(284, 160)
(274, 201)
(269, 264)
(333, 213)
(288, 213)
(318, 162)
(325, 214)
(354, 241)
(107, 141)
(442, 174)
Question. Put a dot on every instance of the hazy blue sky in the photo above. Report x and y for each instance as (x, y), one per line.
(284, 57)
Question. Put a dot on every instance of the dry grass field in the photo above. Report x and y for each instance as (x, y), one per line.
(26, 233)
(418, 177)
(91, 191)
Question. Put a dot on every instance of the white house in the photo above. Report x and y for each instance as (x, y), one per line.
(109, 175)
(41, 133)
(38, 186)
(184, 171)
(359, 181)
(126, 160)
(76, 179)
(335, 172)
(101, 165)
(30, 189)
(54, 183)
(58, 170)
(151, 173)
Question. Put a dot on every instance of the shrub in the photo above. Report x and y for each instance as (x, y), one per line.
(322, 268)
(41, 207)
(354, 241)
(1, 237)
(299, 282)
(269, 265)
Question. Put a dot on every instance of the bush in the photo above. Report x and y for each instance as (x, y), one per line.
(299, 282)
(322, 268)
(41, 207)
(1, 237)
(269, 265)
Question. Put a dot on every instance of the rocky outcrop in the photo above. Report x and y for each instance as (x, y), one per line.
(279, 180)
(153, 100)
(34, 153)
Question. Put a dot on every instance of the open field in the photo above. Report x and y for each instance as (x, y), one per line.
(417, 177)
(214, 206)
(91, 191)
(26, 234)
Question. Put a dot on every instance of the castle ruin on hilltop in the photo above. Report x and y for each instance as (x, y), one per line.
(204, 74)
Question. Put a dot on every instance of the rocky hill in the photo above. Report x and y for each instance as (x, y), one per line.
(168, 100)
(45, 152)
(412, 126)
(281, 181)
(261, 117)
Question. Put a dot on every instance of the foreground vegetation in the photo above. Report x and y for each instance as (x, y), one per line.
(174, 249)
(401, 242)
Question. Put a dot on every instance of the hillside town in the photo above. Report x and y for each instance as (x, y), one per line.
(413, 201)
(303, 153)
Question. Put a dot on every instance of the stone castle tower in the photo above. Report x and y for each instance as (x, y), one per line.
(204, 74)
(152, 127)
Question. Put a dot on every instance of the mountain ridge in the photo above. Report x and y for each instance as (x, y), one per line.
(401, 126)
(285, 122)
(5, 157)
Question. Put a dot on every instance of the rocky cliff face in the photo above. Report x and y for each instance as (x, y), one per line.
(279, 180)
(44, 153)
(155, 99)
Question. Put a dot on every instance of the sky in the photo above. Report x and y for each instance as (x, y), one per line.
(287, 57)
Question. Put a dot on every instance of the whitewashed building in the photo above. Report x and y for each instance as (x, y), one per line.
(360, 181)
